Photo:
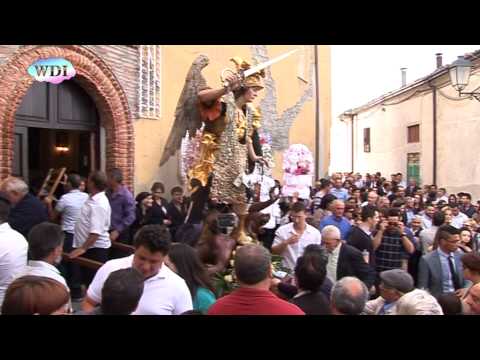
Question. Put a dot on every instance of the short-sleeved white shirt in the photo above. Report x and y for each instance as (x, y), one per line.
(164, 294)
(94, 219)
(42, 268)
(69, 206)
(293, 251)
(458, 221)
(426, 222)
(13, 256)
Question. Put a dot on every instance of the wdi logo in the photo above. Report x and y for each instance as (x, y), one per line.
(52, 70)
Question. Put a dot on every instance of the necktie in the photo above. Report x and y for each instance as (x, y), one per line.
(456, 282)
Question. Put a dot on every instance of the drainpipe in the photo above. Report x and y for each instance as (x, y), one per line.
(319, 162)
(353, 142)
(434, 111)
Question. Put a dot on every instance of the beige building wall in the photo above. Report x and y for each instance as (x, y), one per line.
(458, 141)
(458, 129)
(325, 107)
(151, 135)
(388, 137)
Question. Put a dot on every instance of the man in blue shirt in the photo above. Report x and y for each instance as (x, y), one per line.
(337, 219)
(122, 204)
(337, 190)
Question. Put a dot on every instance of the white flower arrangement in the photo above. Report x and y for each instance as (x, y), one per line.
(298, 166)
(298, 160)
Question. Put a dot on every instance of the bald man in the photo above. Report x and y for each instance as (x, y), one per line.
(253, 270)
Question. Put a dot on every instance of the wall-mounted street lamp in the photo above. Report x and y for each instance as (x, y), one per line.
(460, 75)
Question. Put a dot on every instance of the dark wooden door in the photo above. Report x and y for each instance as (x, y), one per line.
(20, 152)
(63, 107)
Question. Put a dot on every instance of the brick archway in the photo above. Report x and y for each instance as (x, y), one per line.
(92, 74)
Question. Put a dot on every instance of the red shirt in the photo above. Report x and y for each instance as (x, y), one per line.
(248, 301)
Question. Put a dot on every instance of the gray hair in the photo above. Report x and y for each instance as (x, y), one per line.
(418, 302)
(349, 296)
(331, 231)
(337, 202)
(14, 184)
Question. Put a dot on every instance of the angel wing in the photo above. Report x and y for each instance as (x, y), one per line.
(187, 116)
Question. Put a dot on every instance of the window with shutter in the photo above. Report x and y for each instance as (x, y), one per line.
(413, 134)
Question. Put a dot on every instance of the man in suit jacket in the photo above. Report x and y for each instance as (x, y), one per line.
(343, 259)
(393, 285)
(441, 271)
(27, 210)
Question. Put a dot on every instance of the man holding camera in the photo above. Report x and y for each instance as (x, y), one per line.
(391, 243)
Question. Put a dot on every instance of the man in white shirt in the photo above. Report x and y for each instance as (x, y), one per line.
(442, 196)
(68, 207)
(291, 239)
(400, 180)
(91, 238)
(427, 218)
(458, 218)
(165, 293)
(45, 247)
(13, 249)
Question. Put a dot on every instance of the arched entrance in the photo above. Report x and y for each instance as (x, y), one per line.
(98, 81)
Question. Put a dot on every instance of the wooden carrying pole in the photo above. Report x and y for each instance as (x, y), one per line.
(47, 181)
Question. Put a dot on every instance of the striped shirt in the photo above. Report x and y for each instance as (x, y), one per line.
(390, 253)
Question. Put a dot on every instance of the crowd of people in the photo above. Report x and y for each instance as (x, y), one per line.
(358, 245)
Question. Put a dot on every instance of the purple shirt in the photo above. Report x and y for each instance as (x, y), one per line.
(123, 208)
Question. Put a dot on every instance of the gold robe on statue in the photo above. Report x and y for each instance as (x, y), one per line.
(224, 149)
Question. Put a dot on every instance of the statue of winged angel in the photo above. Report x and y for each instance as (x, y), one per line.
(229, 143)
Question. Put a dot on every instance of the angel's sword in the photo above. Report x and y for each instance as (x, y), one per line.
(266, 64)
